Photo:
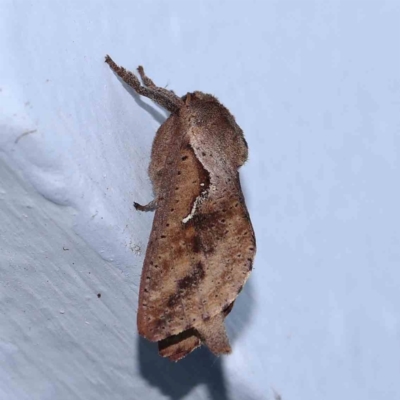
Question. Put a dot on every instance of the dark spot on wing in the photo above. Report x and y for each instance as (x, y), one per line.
(209, 230)
(159, 324)
(173, 300)
(228, 308)
(193, 279)
(196, 244)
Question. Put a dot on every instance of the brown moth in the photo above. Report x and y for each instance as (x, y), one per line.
(202, 244)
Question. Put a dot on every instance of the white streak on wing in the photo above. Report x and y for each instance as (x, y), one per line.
(198, 200)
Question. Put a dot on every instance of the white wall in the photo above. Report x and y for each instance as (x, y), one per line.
(315, 85)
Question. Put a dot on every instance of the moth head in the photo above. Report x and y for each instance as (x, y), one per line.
(204, 111)
(206, 107)
(198, 96)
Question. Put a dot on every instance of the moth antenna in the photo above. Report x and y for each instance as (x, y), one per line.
(161, 96)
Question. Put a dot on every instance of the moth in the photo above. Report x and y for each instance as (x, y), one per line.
(202, 244)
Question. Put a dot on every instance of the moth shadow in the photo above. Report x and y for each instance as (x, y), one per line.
(201, 367)
(240, 317)
(246, 189)
(152, 109)
(176, 380)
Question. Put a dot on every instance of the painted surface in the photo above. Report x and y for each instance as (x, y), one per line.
(315, 87)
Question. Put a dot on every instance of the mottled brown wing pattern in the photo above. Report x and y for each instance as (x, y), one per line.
(172, 261)
(227, 246)
(192, 269)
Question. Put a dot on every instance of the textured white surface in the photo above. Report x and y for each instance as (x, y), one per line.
(316, 88)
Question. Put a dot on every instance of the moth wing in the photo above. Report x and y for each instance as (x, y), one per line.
(178, 346)
(200, 250)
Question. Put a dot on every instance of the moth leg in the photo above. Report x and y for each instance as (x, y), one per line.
(149, 83)
(146, 80)
(160, 96)
(147, 207)
(213, 334)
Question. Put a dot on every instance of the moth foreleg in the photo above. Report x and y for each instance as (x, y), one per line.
(160, 96)
(146, 80)
(149, 83)
(147, 207)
